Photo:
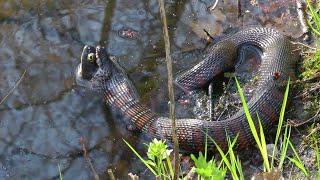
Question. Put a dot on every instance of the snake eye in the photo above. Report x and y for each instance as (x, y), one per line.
(91, 57)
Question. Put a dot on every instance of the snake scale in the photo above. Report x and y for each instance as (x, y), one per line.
(98, 72)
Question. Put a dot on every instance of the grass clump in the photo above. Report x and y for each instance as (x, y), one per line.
(208, 170)
(230, 159)
(311, 65)
(158, 161)
(314, 23)
(260, 137)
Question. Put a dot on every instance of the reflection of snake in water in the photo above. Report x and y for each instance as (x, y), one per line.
(278, 59)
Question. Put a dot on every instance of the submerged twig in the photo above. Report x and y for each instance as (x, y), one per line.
(170, 89)
(208, 34)
(239, 8)
(86, 156)
(13, 88)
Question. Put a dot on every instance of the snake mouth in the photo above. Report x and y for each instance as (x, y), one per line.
(79, 79)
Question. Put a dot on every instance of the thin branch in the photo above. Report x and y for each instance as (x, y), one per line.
(170, 89)
(239, 8)
(13, 88)
(86, 156)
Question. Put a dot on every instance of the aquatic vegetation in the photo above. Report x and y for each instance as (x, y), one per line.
(260, 138)
(158, 161)
(230, 160)
(208, 169)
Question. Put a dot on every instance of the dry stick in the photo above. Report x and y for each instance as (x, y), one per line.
(305, 45)
(302, 16)
(14, 87)
(214, 5)
(111, 175)
(295, 124)
(86, 156)
(170, 89)
(133, 176)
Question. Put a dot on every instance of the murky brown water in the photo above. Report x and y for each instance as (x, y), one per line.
(43, 119)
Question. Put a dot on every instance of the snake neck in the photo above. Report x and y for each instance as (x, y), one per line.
(120, 93)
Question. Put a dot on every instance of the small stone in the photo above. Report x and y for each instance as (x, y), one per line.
(270, 148)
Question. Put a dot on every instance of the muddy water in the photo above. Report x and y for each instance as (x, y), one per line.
(45, 116)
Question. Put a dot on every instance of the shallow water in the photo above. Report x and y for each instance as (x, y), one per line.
(43, 119)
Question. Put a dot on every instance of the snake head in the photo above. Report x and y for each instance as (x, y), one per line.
(94, 68)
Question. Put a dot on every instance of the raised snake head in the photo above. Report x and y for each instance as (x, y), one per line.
(95, 68)
(98, 72)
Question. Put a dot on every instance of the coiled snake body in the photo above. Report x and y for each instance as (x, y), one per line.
(278, 60)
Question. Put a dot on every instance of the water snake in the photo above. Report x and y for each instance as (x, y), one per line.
(97, 71)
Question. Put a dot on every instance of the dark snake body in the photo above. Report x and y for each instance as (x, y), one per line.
(277, 65)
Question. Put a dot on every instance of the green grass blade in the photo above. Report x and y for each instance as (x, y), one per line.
(240, 170)
(284, 146)
(281, 118)
(248, 116)
(170, 166)
(297, 161)
(264, 151)
(313, 29)
(163, 171)
(231, 154)
(315, 17)
(235, 161)
(141, 159)
(225, 159)
(253, 128)
(316, 149)
(299, 165)
(314, 14)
